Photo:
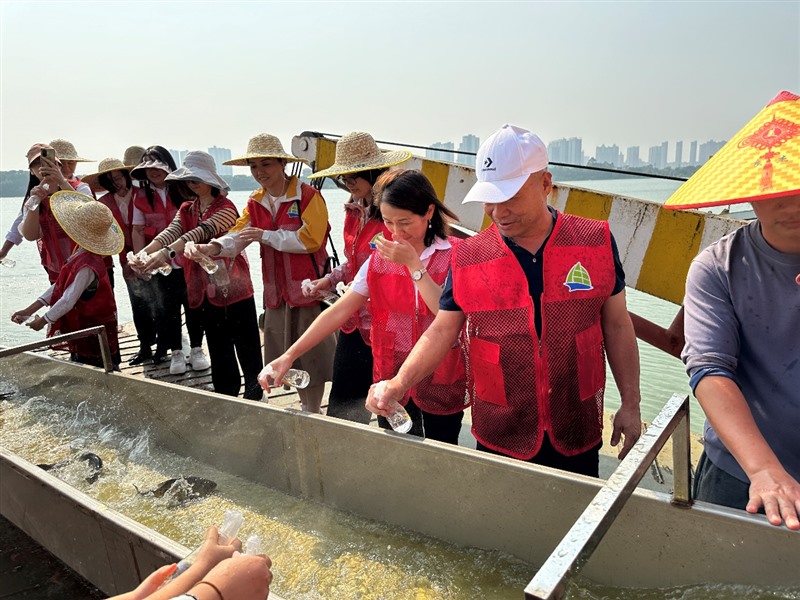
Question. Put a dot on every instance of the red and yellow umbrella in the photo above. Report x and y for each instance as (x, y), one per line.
(760, 162)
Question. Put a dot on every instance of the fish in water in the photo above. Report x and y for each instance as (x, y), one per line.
(92, 460)
(181, 489)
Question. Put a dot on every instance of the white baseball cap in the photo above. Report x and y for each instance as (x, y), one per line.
(504, 163)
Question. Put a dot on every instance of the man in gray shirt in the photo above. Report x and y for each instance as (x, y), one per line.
(743, 356)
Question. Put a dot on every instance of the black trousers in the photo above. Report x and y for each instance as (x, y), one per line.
(352, 376)
(171, 297)
(232, 332)
(587, 463)
(442, 428)
(143, 298)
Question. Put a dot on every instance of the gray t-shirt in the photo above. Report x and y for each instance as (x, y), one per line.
(743, 315)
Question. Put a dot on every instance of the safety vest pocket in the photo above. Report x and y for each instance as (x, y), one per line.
(486, 371)
(591, 364)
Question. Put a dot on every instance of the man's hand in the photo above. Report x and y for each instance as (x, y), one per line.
(778, 493)
(628, 423)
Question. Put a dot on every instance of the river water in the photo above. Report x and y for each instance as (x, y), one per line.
(662, 375)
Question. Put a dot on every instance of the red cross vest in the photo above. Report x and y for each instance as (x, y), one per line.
(127, 229)
(99, 309)
(283, 272)
(231, 283)
(156, 217)
(399, 318)
(522, 386)
(54, 245)
(357, 250)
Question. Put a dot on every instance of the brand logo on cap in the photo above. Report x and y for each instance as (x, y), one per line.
(487, 165)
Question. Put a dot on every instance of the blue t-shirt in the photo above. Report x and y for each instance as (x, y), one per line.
(532, 267)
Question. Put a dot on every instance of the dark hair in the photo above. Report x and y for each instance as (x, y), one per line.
(179, 189)
(163, 155)
(412, 191)
(370, 176)
(33, 181)
(105, 180)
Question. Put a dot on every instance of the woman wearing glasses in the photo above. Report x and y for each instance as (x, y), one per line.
(358, 165)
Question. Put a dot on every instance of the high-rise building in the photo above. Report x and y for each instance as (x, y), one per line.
(632, 157)
(566, 151)
(657, 155)
(469, 143)
(609, 155)
(221, 155)
(708, 149)
(678, 154)
(437, 151)
(693, 153)
(178, 156)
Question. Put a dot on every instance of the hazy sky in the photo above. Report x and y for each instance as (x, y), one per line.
(190, 75)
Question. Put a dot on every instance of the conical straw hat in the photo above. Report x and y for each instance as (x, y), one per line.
(133, 156)
(106, 166)
(263, 145)
(357, 151)
(760, 162)
(87, 222)
(66, 151)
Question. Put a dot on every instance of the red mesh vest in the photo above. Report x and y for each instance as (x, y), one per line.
(231, 283)
(156, 217)
(357, 250)
(397, 324)
(100, 309)
(284, 271)
(54, 245)
(109, 200)
(522, 386)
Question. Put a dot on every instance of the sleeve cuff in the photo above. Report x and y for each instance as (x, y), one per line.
(706, 371)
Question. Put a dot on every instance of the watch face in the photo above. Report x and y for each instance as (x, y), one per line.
(416, 275)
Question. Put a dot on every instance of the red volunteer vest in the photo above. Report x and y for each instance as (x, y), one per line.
(54, 245)
(523, 386)
(231, 283)
(397, 324)
(156, 217)
(357, 250)
(99, 309)
(109, 200)
(283, 272)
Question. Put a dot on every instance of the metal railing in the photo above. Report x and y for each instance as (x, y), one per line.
(582, 539)
(99, 331)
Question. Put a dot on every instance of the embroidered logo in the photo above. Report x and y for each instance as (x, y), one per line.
(294, 210)
(578, 279)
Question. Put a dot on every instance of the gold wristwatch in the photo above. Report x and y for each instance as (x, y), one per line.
(417, 275)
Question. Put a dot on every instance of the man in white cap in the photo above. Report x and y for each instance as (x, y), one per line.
(542, 295)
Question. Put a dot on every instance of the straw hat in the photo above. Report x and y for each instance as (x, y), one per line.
(133, 156)
(263, 145)
(106, 166)
(66, 151)
(199, 166)
(761, 162)
(357, 151)
(87, 222)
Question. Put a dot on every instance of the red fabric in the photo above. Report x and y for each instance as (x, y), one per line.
(200, 284)
(357, 250)
(100, 309)
(283, 272)
(156, 217)
(127, 230)
(54, 245)
(522, 386)
(397, 324)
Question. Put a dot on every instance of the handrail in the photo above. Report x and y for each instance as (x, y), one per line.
(582, 539)
(99, 331)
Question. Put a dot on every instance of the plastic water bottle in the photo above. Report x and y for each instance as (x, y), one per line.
(398, 419)
(8, 262)
(227, 531)
(295, 377)
(327, 296)
(254, 545)
(209, 266)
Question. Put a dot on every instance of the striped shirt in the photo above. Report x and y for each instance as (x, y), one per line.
(217, 224)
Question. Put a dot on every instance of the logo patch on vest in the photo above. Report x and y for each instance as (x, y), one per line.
(294, 210)
(578, 279)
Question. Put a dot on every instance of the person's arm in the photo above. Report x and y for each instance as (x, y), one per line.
(306, 240)
(232, 243)
(242, 577)
(325, 324)
(623, 358)
(771, 487)
(13, 237)
(425, 356)
(669, 340)
(403, 253)
(29, 227)
(71, 295)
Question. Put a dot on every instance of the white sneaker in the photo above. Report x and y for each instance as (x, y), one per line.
(177, 365)
(199, 360)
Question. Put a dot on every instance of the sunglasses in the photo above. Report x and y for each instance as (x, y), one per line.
(347, 179)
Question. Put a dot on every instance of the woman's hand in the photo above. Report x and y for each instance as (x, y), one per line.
(149, 586)
(20, 316)
(251, 234)
(50, 172)
(193, 251)
(242, 577)
(400, 252)
(271, 376)
(212, 552)
(154, 260)
(37, 323)
(316, 288)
